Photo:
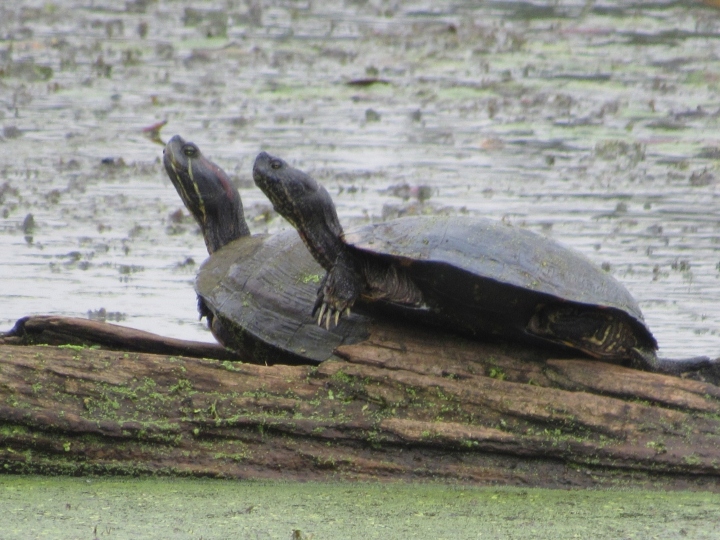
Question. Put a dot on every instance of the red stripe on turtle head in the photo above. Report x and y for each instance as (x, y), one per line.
(230, 190)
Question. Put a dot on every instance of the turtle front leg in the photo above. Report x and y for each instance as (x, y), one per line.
(339, 290)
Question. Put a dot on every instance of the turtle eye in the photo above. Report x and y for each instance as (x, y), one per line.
(190, 150)
(275, 164)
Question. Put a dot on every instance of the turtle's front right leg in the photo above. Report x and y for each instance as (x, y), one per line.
(338, 291)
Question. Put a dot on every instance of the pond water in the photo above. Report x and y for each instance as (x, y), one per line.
(595, 123)
(184, 508)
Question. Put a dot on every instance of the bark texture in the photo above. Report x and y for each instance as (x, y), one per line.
(405, 404)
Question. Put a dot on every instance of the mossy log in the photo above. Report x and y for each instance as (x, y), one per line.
(405, 404)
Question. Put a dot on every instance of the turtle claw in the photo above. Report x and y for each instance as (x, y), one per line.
(337, 293)
(328, 316)
(323, 307)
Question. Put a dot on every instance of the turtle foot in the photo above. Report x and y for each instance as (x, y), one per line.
(337, 293)
(331, 313)
(330, 307)
(699, 368)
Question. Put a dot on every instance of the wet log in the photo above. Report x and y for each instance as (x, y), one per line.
(406, 404)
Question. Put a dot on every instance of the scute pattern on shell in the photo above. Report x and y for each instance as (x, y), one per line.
(501, 266)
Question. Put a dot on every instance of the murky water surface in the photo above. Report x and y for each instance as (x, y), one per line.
(188, 509)
(595, 123)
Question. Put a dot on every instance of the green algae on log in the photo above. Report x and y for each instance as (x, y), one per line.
(402, 405)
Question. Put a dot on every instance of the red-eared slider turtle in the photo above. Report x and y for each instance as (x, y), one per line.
(469, 274)
(253, 289)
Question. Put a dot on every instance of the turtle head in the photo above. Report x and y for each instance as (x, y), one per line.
(304, 203)
(207, 193)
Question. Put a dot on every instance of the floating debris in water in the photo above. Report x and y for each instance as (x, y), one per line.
(28, 224)
(405, 191)
(372, 116)
(681, 265)
(189, 262)
(367, 81)
(211, 23)
(103, 315)
(152, 132)
(702, 178)
(113, 162)
(11, 132)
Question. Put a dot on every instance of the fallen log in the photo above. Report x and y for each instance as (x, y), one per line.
(405, 404)
(56, 330)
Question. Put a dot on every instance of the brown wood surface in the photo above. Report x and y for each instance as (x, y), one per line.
(405, 404)
(56, 330)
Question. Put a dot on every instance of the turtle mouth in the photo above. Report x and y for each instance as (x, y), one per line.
(173, 165)
(178, 173)
(270, 187)
(259, 179)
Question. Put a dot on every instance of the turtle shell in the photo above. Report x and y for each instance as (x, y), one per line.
(482, 276)
(260, 289)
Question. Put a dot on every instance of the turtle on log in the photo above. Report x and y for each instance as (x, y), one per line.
(471, 275)
(253, 289)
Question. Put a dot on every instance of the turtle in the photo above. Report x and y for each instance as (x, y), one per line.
(252, 289)
(468, 274)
